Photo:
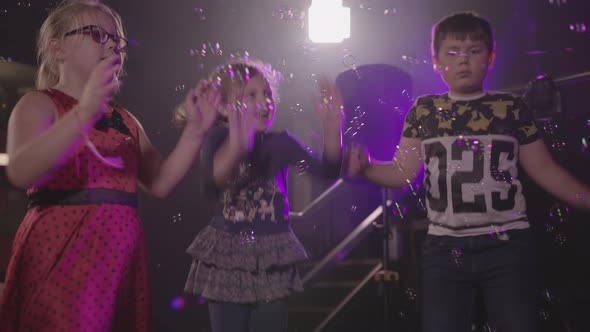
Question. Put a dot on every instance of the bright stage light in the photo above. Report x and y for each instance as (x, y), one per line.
(329, 21)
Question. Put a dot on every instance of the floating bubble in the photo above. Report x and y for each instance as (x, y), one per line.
(405, 93)
(454, 167)
(500, 176)
(499, 233)
(349, 61)
(207, 49)
(560, 239)
(420, 204)
(353, 209)
(289, 14)
(487, 327)
(389, 11)
(413, 60)
(548, 295)
(536, 52)
(177, 303)
(179, 88)
(355, 123)
(247, 237)
(314, 77)
(411, 294)
(558, 145)
(176, 217)
(23, 4)
(399, 211)
(309, 50)
(239, 55)
(424, 131)
(559, 213)
(544, 315)
(201, 13)
(399, 111)
(311, 135)
(288, 78)
(579, 27)
(447, 115)
(555, 140)
(296, 110)
(366, 6)
(558, 2)
(125, 147)
(478, 187)
(302, 167)
(457, 256)
(410, 187)
(549, 228)
(584, 147)
(470, 142)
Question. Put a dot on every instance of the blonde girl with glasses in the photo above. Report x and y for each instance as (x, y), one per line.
(79, 259)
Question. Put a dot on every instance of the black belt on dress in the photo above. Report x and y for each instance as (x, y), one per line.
(82, 197)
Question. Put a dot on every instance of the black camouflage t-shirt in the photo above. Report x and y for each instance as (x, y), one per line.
(470, 150)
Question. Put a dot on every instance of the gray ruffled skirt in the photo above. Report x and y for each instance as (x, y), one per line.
(227, 269)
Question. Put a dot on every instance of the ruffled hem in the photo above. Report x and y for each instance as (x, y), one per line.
(228, 251)
(238, 286)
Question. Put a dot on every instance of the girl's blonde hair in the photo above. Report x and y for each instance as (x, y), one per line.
(231, 75)
(65, 17)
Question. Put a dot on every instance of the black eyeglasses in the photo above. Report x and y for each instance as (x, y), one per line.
(100, 36)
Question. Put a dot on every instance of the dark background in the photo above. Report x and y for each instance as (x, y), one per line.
(533, 37)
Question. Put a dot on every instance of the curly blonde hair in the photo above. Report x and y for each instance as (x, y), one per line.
(232, 75)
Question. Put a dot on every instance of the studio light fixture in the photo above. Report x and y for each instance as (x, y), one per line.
(329, 21)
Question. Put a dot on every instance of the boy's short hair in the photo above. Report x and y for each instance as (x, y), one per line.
(462, 26)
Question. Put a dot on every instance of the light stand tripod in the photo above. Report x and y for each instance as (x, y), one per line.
(385, 276)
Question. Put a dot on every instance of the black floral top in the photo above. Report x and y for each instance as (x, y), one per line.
(257, 193)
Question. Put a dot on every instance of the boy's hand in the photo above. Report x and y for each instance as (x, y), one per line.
(358, 161)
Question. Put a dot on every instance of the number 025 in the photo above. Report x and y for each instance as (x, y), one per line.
(475, 176)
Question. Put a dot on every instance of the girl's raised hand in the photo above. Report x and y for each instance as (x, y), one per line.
(100, 86)
(201, 105)
(242, 125)
(329, 105)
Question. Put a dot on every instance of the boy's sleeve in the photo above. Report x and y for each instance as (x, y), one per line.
(526, 130)
(298, 154)
(411, 123)
(213, 141)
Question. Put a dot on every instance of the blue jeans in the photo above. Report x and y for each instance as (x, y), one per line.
(256, 317)
(504, 271)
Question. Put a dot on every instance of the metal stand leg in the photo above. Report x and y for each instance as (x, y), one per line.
(386, 276)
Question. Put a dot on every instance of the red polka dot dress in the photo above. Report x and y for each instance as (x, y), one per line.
(79, 259)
